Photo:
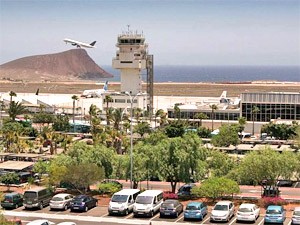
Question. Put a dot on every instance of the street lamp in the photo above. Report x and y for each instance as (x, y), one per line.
(132, 98)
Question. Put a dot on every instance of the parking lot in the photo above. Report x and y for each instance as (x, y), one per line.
(101, 211)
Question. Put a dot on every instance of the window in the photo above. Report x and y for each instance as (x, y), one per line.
(120, 101)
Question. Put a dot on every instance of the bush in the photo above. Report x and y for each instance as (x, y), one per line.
(266, 201)
(108, 189)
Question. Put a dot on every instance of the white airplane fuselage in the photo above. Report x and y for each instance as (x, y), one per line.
(78, 43)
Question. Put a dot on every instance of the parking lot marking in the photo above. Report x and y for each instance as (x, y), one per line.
(232, 221)
(261, 221)
(157, 215)
(205, 220)
(128, 216)
(104, 215)
(179, 218)
(290, 222)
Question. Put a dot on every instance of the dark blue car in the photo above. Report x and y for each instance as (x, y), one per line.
(83, 203)
(195, 210)
(171, 207)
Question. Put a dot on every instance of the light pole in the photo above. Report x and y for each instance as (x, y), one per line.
(132, 98)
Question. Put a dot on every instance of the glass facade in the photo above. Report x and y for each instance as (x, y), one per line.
(271, 111)
(218, 115)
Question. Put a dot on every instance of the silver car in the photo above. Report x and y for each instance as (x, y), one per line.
(296, 216)
(223, 211)
(61, 201)
(248, 212)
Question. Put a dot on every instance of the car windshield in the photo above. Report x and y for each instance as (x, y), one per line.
(192, 207)
(273, 211)
(245, 210)
(297, 213)
(7, 197)
(29, 194)
(57, 199)
(221, 207)
(144, 199)
(167, 205)
(119, 198)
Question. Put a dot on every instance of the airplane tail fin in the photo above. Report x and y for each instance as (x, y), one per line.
(93, 43)
(224, 94)
(105, 86)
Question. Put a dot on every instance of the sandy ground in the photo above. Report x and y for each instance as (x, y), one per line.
(160, 89)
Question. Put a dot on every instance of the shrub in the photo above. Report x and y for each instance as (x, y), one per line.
(89, 142)
(266, 201)
(108, 188)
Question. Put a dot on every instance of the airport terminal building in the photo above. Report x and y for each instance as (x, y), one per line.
(272, 105)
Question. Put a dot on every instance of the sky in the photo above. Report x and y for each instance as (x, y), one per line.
(186, 32)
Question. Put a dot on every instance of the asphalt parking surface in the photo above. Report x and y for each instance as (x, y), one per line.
(101, 211)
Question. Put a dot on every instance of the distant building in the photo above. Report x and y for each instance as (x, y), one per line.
(284, 106)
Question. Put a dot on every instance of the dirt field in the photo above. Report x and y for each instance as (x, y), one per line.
(160, 89)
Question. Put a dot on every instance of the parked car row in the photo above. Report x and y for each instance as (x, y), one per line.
(40, 197)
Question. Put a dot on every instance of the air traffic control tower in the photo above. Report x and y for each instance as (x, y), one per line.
(132, 59)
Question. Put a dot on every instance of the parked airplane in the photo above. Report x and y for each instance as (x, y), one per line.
(95, 92)
(222, 99)
(79, 44)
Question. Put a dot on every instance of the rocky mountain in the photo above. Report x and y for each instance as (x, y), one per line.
(74, 64)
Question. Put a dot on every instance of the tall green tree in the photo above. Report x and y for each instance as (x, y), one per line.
(142, 128)
(220, 163)
(176, 112)
(200, 117)
(9, 178)
(228, 135)
(74, 98)
(213, 109)
(12, 94)
(61, 123)
(15, 109)
(109, 110)
(159, 114)
(175, 128)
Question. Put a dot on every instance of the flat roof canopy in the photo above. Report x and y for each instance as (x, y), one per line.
(15, 165)
(26, 155)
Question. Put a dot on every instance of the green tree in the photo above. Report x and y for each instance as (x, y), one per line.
(43, 117)
(109, 110)
(15, 109)
(227, 136)
(281, 131)
(9, 179)
(213, 109)
(267, 165)
(175, 128)
(74, 98)
(142, 128)
(61, 123)
(160, 114)
(12, 94)
(216, 188)
(200, 117)
(176, 112)
(204, 132)
(220, 163)
(242, 122)
(254, 112)
(11, 133)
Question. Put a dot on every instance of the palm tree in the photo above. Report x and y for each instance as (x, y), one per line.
(176, 112)
(15, 109)
(117, 118)
(93, 112)
(42, 107)
(138, 113)
(74, 98)
(200, 116)
(12, 94)
(108, 99)
(109, 115)
(213, 108)
(254, 111)
(2, 107)
(159, 113)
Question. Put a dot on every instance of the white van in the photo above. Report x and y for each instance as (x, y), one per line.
(148, 203)
(122, 201)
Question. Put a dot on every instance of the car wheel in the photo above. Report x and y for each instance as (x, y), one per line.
(96, 204)
(16, 206)
(176, 214)
(126, 212)
(41, 206)
(151, 214)
(86, 209)
(66, 207)
(201, 218)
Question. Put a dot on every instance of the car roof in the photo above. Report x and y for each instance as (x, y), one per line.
(170, 201)
(37, 222)
(127, 192)
(245, 205)
(81, 196)
(11, 194)
(188, 185)
(61, 195)
(297, 209)
(36, 189)
(223, 203)
(151, 193)
(274, 207)
(194, 203)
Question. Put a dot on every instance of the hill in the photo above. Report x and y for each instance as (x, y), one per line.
(73, 64)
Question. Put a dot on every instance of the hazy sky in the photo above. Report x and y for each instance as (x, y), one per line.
(191, 32)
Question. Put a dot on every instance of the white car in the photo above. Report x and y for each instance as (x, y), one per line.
(222, 211)
(67, 223)
(296, 216)
(40, 222)
(248, 212)
(61, 201)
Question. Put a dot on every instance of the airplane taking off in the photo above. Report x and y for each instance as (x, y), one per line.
(79, 44)
(95, 92)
